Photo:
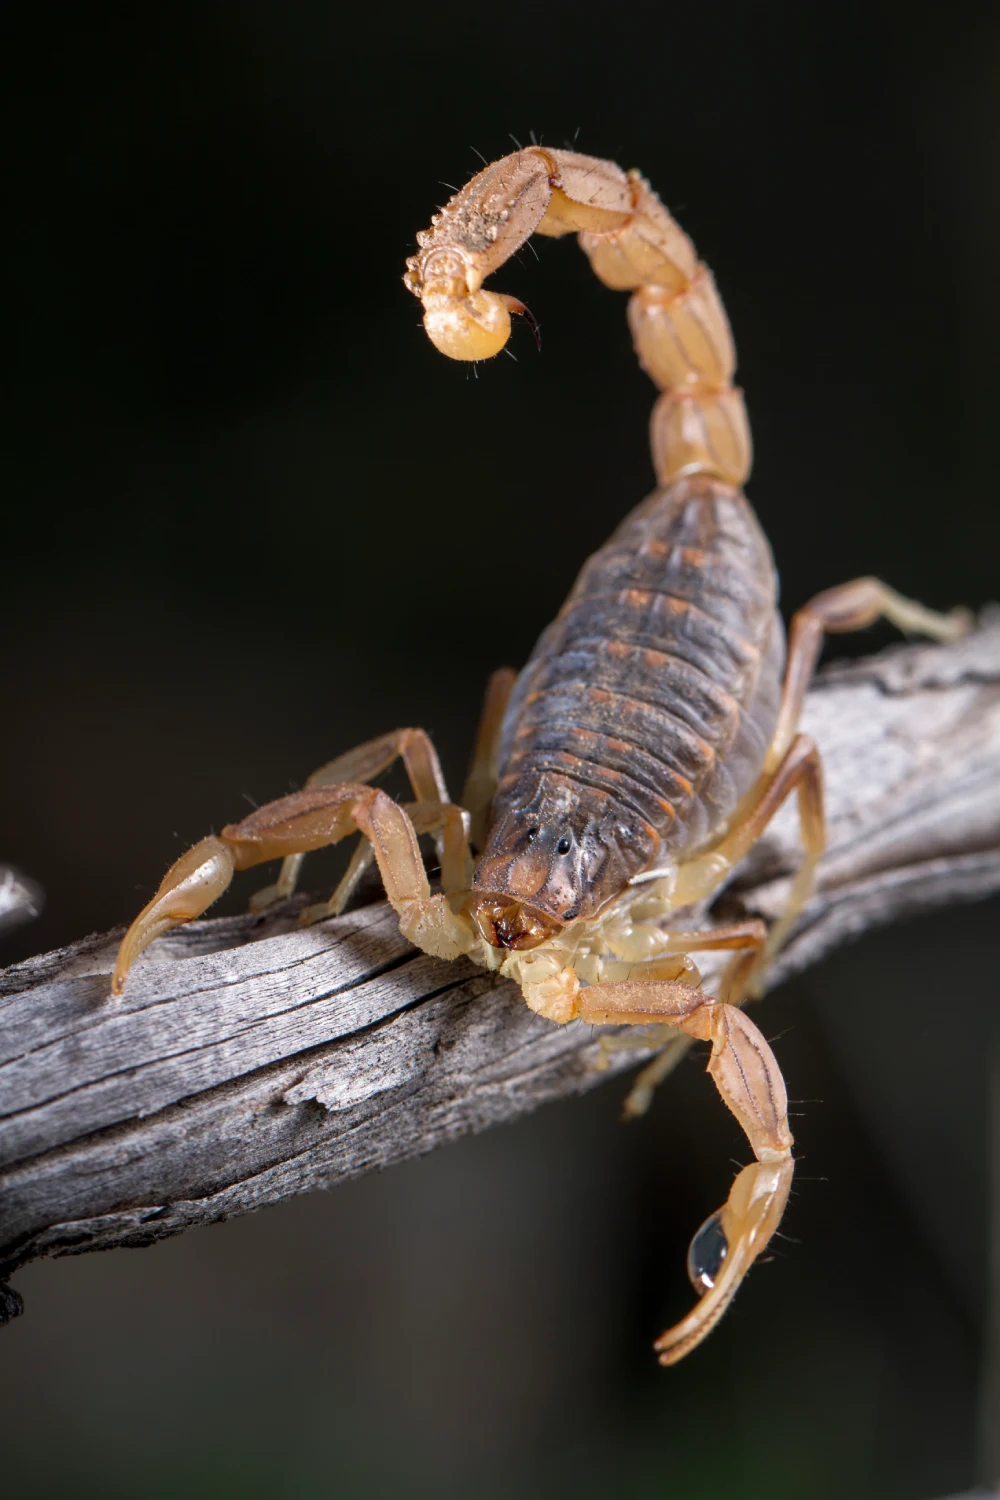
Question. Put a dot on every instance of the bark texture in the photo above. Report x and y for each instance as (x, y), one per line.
(251, 1059)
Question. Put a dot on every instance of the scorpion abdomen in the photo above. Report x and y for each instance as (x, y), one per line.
(655, 691)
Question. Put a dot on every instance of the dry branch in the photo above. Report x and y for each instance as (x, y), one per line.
(251, 1059)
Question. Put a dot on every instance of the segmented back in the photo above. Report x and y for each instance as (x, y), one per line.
(656, 688)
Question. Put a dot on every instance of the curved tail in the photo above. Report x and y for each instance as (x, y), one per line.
(679, 327)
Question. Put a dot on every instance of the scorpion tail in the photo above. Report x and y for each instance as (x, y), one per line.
(679, 327)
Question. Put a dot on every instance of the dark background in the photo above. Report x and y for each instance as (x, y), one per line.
(251, 518)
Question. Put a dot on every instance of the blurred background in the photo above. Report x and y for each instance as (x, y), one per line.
(250, 518)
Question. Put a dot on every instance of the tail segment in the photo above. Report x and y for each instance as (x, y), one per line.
(679, 327)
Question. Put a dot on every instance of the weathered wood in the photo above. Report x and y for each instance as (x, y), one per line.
(251, 1059)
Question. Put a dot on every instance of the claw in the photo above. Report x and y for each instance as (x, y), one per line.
(189, 887)
(637, 1100)
(724, 1249)
(640, 1096)
(316, 913)
(266, 897)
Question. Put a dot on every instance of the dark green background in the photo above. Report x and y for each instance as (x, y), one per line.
(250, 518)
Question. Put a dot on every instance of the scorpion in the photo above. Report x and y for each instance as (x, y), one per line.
(619, 779)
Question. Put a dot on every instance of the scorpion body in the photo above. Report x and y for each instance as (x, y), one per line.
(654, 695)
(617, 781)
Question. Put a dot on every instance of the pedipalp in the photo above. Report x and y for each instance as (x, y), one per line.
(294, 825)
(747, 1076)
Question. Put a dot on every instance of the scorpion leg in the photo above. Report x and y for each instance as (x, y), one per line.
(747, 1076)
(747, 939)
(481, 782)
(310, 819)
(449, 824)
(800, 770)
(364, 763)
(848, 606)
(793, 761)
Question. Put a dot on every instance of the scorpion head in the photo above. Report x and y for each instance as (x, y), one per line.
(557, 852)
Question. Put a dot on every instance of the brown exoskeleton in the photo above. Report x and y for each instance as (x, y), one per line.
(650, 739)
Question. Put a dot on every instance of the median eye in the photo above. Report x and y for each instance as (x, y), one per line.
(563, 846)
(531, 835)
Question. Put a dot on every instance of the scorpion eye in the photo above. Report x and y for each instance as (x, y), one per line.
(708, 1250)
(531, 835)
(563, 846)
